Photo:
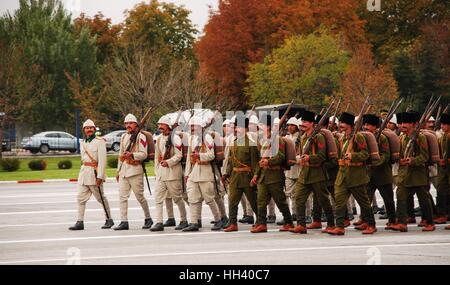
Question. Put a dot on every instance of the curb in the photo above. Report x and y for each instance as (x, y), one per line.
(73, 180)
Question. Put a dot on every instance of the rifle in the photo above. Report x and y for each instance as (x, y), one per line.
(392, 110)
(357, 127)
(132, 143)
(346, 108)
(316, 130)
(437, 126)
(331, 126)
(431, 106)
(286, 113)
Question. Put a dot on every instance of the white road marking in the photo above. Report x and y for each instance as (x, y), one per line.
(219, 252)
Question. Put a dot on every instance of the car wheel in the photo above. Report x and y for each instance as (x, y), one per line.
(72, 150)
(44, 148)
(34, 151)
(115, 147)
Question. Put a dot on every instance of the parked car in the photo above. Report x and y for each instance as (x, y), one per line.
(113, 140)
(46, 141)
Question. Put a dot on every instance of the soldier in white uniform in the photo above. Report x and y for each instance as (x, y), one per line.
(169, 174)
(199, 176)
(92, 175)
(130, 173)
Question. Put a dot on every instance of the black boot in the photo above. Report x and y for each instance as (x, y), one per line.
(191, 228)
(79, 225)
(199, 224)
(308, 220)
(158, 227)
(247, 220)
(323, 218)
(225, 221)
(217, 226)
(108, 224)
(384, 216)
(122, 226)
(271, 219)
(182, 225)
(170, 222)
(147, 224)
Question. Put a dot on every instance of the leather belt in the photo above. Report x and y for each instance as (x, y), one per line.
(90, 164)
(242, 169)
(343, 162)
(129, 161)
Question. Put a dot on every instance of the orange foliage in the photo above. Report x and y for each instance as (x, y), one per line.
(242, 32)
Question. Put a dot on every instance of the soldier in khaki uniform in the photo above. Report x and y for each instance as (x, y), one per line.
(92, 175)
(169, 174)
(381, 171)
(243, 162)
(413, 176)
(312, 177)
(292, 174)
(269, 178)
(352, 177)
(199, 176)
(130, 173)
(443, 185)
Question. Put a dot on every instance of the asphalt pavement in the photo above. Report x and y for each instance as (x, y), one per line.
(34, 221)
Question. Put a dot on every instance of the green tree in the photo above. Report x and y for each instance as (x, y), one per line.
(165, 28)
(44, 31)
(306, 68)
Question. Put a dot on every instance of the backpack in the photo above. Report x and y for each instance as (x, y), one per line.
(433, 146)
(150, 146)
(374, 152)
(394, 144)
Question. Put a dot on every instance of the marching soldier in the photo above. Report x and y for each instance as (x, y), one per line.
(269, 178)
(352, 178)
(443, 186)
(381, 171)
(92, 175)
(312, 177)
(169, 174)
(130, 173)
(199, 176)
(413, 176)
(293, 173)
(243, 163)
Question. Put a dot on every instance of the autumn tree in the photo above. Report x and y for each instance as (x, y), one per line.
(364, 78)
(162, 27)
(306, 68)
(105, 33)
(241, 33)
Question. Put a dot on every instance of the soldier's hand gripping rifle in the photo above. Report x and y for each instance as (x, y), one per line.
(431, 106)
(309, 142)
(392, 110)
(133, 140)
(356, 128)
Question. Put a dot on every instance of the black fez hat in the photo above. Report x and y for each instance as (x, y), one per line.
(239, 119)
(371, 119)
(308, 116)
(399, 117)
(409, 117)
(347, 118)
(445, 118)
